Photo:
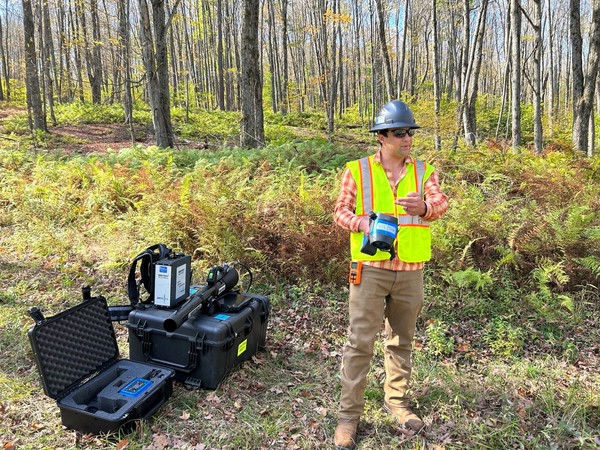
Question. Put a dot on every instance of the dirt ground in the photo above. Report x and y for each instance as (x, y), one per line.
(85, 138)
(88, 138)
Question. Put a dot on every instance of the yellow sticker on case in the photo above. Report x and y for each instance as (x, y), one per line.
(242, 347)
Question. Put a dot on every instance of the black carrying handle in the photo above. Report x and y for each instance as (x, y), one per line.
(188, 368)
(152, 253)
(192, 362)
(119, 313)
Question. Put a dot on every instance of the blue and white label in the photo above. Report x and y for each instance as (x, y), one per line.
(385, 228)
(163, 269)
(222, 317)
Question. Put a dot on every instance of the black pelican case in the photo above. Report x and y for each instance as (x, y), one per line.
(76, 354)
(205, 348)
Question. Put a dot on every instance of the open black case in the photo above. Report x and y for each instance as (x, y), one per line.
(76, 353)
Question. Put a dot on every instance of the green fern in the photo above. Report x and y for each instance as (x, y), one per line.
(473, 279)
(591, 263)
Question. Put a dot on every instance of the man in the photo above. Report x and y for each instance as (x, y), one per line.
(385, 285)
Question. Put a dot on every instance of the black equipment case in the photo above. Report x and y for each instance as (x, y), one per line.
(76, 354)
(205, 348)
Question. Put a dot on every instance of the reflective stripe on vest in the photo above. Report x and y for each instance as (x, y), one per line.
(414, 238)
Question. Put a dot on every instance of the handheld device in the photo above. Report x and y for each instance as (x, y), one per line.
(355, 272)
(383, 229)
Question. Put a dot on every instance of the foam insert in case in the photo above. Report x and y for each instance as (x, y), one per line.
(76, 354)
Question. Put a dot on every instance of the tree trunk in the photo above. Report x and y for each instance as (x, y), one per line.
(357, 27)
(537, 79)
(174, 59)
(515, 11)
(285, 104)
(401, 79)
(320, 46)
(463, 66)
(2, 60)
(252, 124)
(436, 76)
(375, 100)
(471, 70)
(125, 56)
(157, 71)
(272, 54)
(553, 75)
(453, 63)
(64, 87)
(92, 51)
(47, 58)
(592, 136)
(583, 88)
(576, 54)
(382, 21)
(507, 73)
(37, 119)
(331, 101)
(220, 79)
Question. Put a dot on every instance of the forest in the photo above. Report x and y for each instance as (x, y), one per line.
(221, 129)
(491, 58)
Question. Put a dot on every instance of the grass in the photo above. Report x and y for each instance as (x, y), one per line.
(505, 353)
(286, 397)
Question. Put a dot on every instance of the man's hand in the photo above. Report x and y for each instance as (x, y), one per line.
(413, 204)
(364, 226)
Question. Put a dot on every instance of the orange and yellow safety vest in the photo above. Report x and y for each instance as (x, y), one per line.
(413, 242)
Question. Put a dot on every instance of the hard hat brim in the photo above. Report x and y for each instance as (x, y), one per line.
(393, 125)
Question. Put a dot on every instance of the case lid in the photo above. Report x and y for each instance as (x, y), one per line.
(73, 345)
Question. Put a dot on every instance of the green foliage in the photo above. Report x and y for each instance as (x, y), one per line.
(503, 213)
(255, 211)
(16, 125)
(511, 290)
(137, 156)
(592, 263)
(205, 125)
(503, 338)
(550, 305)
(473, 279)
(278, 134)
(311, 120)
(439, 341)
(78, 112)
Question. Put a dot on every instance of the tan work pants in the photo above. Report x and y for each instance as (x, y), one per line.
(397, 297)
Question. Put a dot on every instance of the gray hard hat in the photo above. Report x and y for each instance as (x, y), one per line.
(394, 114)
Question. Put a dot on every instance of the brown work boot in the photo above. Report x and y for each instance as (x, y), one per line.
(405, 416)
(345, 434)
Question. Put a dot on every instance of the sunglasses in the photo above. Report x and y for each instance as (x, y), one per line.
(402, 133)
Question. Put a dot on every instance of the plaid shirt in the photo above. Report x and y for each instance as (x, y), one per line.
(436, 200)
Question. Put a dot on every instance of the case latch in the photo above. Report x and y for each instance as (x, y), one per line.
(36, 315)
(196, 346)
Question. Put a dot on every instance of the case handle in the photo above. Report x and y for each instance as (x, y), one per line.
(193, 358)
